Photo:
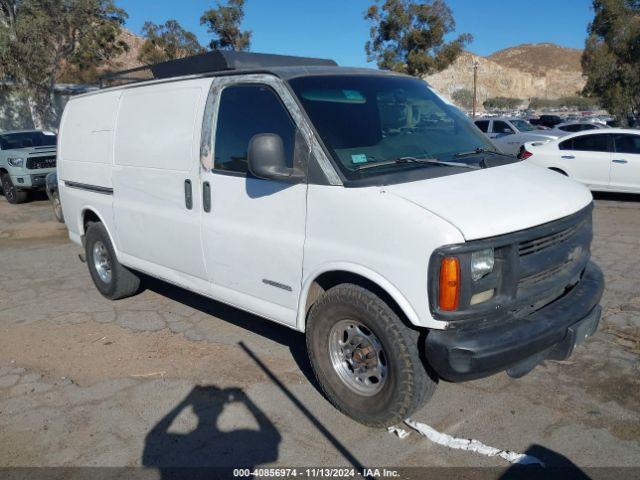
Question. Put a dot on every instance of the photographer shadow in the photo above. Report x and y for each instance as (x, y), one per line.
(207, 449)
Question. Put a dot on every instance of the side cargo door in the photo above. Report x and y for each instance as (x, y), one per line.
(156, 182)
(253, 230)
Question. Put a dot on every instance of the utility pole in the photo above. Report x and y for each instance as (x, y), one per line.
(475, 86)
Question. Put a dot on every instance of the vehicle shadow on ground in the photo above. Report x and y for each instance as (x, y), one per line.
(295, 341)
(207, 446)
(557, 466)
(617, 197)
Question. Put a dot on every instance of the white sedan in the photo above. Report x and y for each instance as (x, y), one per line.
(604, 160)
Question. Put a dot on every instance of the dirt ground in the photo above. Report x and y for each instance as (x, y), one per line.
(161, 379)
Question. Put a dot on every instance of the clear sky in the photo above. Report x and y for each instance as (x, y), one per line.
(336, 28)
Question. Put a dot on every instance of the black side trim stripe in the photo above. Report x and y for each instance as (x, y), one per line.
(90, 188)
(277, 285)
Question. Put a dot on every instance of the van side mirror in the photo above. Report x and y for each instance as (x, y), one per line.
(267, 159)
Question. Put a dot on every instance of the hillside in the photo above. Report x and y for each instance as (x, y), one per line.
(541, 70)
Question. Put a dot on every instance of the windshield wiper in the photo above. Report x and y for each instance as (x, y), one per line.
(477, 151)
(405, 160)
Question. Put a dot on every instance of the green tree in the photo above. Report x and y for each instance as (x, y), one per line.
(611, 58)
(224, 23)
(501, 103)
(463, 98)
(167, 42)
(409, 36)
(39, 39)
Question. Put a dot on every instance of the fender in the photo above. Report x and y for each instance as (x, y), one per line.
(363, 271)
(83, 211)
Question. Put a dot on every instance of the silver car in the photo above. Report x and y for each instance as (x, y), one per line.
(509, 134)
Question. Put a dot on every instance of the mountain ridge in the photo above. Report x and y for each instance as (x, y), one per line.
(543, 70)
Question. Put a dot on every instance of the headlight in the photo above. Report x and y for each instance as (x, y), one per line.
(16, 162)
(481, 263)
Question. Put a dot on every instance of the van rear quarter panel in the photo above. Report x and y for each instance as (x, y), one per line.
(85, 156)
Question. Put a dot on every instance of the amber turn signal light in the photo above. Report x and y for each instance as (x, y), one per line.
(449, 292)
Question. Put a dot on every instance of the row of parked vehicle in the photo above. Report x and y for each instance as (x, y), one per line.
(603, 158)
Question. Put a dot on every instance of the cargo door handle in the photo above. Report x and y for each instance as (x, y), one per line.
(206, 197)
(188, 194)
(620, 161)
(568, 157)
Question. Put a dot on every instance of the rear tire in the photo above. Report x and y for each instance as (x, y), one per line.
(350, 329)
(57, 206)
(113, 280)
(11, 193)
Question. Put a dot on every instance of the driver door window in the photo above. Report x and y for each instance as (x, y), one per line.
(245, 111)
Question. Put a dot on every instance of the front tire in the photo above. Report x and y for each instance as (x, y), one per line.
(11, 193)
(113, 280)
(366, 360)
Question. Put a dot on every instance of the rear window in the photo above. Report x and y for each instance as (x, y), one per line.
(13, 141)
(627, 144)
(587, 143)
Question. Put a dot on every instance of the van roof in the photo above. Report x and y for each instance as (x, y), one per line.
(220, 62)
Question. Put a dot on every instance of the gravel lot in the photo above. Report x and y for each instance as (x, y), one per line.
(161, 380)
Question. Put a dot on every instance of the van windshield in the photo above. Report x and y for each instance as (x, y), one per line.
(374, 121)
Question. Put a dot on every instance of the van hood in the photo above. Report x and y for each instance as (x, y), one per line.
(494, 201)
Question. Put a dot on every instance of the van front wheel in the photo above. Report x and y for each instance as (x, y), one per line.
(365, 359)
(112, 279)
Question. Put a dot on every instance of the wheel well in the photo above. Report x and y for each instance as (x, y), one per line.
(88, 216)
(331, 279)
(3, 171)
(559, 170)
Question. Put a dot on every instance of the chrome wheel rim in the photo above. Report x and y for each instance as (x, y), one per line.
(357, 357)
(102, 261)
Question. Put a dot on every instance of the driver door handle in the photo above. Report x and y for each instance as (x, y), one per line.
(620, 161)
(188, 194)
(206, 196)
(568, 157)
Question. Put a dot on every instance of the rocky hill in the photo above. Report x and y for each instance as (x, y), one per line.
(540, 70)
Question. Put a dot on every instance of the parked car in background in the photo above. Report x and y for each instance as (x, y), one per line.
(550, 121)
(405, 248)
(604, 159)
(509, 134)
(26, 157)
(566, 128)
(51, 187)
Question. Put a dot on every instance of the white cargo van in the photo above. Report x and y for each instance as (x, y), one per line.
(354, 205)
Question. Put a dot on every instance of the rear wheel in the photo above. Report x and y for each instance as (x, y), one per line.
(365, 359)
(112, 279)
(11, 193)
(57, 206)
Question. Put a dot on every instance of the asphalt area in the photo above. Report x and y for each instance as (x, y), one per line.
(161, 379)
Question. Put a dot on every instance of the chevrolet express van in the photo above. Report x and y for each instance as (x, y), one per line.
(354, 205)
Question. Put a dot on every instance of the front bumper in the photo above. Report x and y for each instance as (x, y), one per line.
(31, 181)
(518, 344)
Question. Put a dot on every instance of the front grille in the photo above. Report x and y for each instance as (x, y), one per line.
(550, 264)
(543, 275)
(538, 244)
(35, 163)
